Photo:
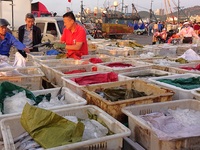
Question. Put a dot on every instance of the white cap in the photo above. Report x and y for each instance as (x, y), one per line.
(186, 23)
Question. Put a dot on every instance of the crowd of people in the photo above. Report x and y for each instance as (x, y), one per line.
(163, 32)
(166, 33)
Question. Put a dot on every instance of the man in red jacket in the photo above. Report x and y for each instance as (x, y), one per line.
(74, 36)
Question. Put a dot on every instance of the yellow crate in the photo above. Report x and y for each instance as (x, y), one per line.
(157, 93)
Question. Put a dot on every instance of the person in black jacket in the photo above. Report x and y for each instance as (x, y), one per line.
(29, 34)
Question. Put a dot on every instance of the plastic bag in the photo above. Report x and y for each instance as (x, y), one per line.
(16, 103)
(49, 129)
(52, 52)
(8, 89)
(19, 60)
(190, 55)
(93, 129)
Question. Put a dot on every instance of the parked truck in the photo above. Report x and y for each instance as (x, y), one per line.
(14, 11)
(39, 10)
(115, 30)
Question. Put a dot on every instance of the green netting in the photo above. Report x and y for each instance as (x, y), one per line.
(188, 83)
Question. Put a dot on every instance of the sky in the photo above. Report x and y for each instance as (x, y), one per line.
(60, 6)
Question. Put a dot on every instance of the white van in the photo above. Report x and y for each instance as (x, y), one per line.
(52, 28)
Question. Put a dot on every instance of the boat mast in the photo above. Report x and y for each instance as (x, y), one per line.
(122, 6)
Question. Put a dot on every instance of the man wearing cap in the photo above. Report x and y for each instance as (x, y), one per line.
(29, 34)
(187, 33)
(7, 40)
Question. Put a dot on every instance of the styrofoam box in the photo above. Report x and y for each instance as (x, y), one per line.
(144, 72)
(47, 65)
(136, 66)
(58, 72)
(67, 82)
(11, 128)
(179, 92)
(142, 133)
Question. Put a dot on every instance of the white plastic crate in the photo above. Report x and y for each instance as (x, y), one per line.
(145, 59)
(71, 99)
(196, 95)
(67, 82)
(41, 59)
(191, 64)
(29, 78)
(165, 61)
(47, 65)
(142, 133)
(58, 72)
(135, 66)
(115, 51)
(152, 48)
(29, 63)
(11, 128)
(169, 69)
(144, 72)
(103, 57)
(137, 52)
(32, 55)
(182, 48)
(124, 42)
(168, 50)
(95, 56)
(179, 92)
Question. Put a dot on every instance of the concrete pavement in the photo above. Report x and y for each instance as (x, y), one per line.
(141, 39)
